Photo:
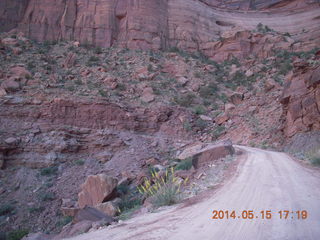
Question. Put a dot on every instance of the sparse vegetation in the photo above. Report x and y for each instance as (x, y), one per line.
(162, 190)
(185, 164)
(185, 100)
(314, 156)
(6, 209)
(47, 196)
(49, 171)
(17, 234)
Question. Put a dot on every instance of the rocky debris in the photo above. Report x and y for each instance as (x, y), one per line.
(205, 153)
(97, 189)
(301, 100)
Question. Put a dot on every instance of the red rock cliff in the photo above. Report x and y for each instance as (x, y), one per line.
(155, 24)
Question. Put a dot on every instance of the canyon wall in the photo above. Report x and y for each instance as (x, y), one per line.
(156, 24)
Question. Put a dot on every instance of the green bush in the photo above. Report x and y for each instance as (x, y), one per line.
(49, 171)
(185, 100)
(6, 209)
(199, 110)
(162, 190)
(218, 131)
(48, 196)
(17, 234)
(79, 162)
(314, 157)
(201, 124)
(185, 164)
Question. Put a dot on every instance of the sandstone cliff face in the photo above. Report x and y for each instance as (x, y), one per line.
(155, 24)
(301, 100)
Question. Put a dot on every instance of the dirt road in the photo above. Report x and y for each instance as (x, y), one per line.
(264, 181)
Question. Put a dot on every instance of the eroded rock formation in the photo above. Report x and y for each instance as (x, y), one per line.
(156, 24)
(301, 100)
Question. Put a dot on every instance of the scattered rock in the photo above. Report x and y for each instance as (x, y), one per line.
(151, 162)
(206, 118)
(2, 92)
(183, 81)
(12, 141)
(10, 41)
(147, 95)
(236, 98)
(104, 157)
(229, 107)
(222, 118)
(97, 189)
(269, 84)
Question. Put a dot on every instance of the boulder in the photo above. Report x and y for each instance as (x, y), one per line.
(236, 98)
(91, 214)
(203, 154)
(20, 72)
(97, 189)
(2, 92)
(147, 95)
(222, 118)
(108, 208)
(11, 85)
(69, 211)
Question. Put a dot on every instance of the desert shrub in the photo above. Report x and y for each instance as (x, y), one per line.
(162, 190)
(185, 164)
(17, 234)
(208, 91)
(47, 196)
(36, 209)
(200, 124)
(314, 156)
(199, 110)
(79, 162)
(49, 171)
(185, 100)
(64, 221)
(6, 209)
(187, 126)
(218, 131)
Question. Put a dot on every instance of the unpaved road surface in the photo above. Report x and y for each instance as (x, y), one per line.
(263, 181)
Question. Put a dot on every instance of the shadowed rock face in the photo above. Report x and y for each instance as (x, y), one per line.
(301, 100)
(154, 24)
